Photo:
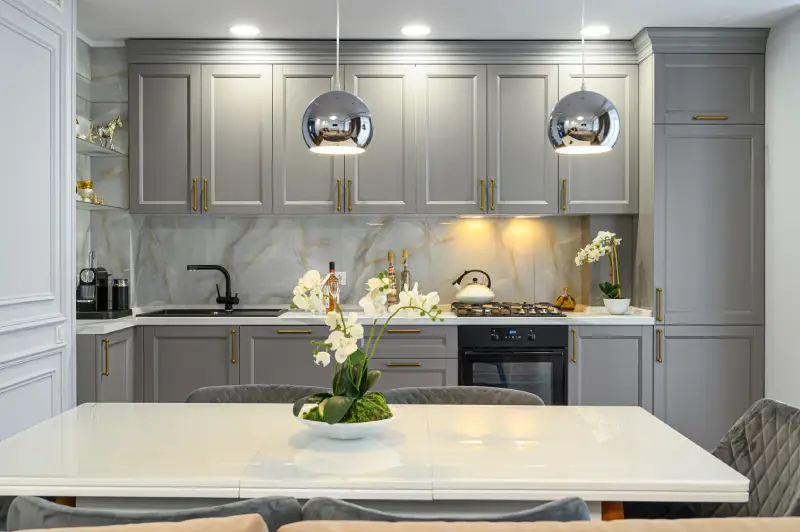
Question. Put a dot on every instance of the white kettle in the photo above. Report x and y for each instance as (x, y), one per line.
(474, 293)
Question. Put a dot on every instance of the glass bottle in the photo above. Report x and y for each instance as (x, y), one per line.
(332, 288)
(405, 275)
(391, 297)
(566, 301)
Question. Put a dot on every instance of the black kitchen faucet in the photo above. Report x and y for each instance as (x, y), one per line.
(228, 300)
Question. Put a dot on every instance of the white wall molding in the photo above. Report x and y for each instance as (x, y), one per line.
(700, 41)
(98, 44)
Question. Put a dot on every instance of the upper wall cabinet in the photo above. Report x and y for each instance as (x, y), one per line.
(709, 88)
(165, 138)
(237, 139)
(451, 139)
(303, 182)
(383, 179)
(523, 168)
(606, 183)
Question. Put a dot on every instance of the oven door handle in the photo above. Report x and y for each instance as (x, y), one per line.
(514, 353)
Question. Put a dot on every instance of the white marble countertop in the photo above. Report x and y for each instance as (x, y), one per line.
(487, 453)
(587, 316)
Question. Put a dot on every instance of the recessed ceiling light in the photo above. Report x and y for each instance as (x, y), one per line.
(595, 31)
(415, 30)
(243, 30)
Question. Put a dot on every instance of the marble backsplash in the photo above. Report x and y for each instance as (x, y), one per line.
(528, 259)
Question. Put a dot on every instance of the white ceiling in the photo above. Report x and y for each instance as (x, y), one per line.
(114, 20)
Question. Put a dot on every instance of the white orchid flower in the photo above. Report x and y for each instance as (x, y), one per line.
(322, 358)
(301, 302)
(312, 279)
(354, 329)
(429, 301)
(333, 320)
(373, 304)
(343, 345)
(375, 283)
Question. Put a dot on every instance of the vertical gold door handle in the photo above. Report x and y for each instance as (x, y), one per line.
(338, 194)
(659, 345)
(564, 194)
(205, 195)
(194, 195)
(483, 194)
(492, 182)
(106, 373)
(574, 346)
(349, 194)
(659, 297)
(233, 346)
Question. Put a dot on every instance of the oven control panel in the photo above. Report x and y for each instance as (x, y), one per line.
(513, 333)
(523, 336)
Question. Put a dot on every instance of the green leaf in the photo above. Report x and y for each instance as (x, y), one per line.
(316, 398)
(357, 357)
(336, 407)
(372, 378)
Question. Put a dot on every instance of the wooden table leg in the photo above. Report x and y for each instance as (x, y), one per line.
(69, 501)
(612, 511)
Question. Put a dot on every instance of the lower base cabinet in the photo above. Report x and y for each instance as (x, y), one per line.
(105, 368)
(283, 355)
(706, 377)
(417, 357)
(419, 373)
(181, 359)
(611, 366)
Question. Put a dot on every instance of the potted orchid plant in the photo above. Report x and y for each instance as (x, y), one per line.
(351, 348)
(605, 245)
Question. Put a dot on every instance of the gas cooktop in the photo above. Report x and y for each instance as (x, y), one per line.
(495, 309)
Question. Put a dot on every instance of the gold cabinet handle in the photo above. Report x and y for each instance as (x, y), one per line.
(233, 346)
(294, 331)
(349, 194)
(574, 346)
(659, 297)
(710, 117)
(403, 331)
(106, 373)
(194, 195)
(403, 364)
(659, 345)
(492, 182)
(205, 195)
(483, 194)
(338, 194)
(564, 194)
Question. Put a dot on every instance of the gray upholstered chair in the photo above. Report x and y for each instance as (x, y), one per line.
(461, 395)
(5, 504)
(28, 513)
(764, 446)
(324, 509)
(252, 393)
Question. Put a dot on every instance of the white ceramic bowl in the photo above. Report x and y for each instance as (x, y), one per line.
(617, 306)
(346, 431)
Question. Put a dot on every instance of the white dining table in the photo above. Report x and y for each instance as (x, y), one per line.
(434, 459)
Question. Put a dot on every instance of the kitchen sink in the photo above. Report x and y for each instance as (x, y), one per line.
(210, 312)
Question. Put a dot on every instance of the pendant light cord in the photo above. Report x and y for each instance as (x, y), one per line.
(583, 45)
(338, 85)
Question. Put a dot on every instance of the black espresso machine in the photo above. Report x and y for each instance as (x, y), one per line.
(92, 297)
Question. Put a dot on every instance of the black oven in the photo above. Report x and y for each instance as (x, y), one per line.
(528, 358)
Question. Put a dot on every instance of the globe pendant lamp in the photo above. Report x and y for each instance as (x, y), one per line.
(583, 122)
(337, 122)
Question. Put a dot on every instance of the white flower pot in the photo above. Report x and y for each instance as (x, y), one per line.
(617, 306)
(346, 431)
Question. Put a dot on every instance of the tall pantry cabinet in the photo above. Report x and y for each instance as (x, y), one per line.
(701, 223)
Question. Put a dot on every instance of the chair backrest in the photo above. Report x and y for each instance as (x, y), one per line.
(461, 395)
(324, 509)
(28, 513)
(252, 393)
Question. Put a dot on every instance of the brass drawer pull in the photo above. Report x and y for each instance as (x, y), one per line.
(294, 331)
(106, 373)
(492, 204)
(483, 194)
(403, 364)
(205, 195)
(194, 195)
(574, 346)
(338, 194)
(710, 117)
(233, 346)
(564, 194)
(403, 331)
(659, 297)
(659, 347)
(349, 194)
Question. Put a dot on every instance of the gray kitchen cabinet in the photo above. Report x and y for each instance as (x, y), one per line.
(303, 182)
(181, 359)
(709, 88)
(611, 366)
(523, 167)
(165, 162)
(383, 179)
(705, 377)
(605, 183)
(412, 342)
(417, 373)
(282, 355)
(237, 139)
(105, 368)
(709, 225)
(451, 139)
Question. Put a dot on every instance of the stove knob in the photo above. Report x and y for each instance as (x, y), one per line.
(531, 337)
(495, 336)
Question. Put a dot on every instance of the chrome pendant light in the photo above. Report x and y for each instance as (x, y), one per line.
(337, 122)
(583, 122)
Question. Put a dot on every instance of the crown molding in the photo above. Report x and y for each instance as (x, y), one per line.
(99, 44)
(381, 52)
(651, 41)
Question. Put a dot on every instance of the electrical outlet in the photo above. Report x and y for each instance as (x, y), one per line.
(342, 276)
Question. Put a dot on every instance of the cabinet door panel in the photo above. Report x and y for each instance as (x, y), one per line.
(403, 373)
(383, 179)
(165, 138)
(707, 378)
(605, 183)
(451, 139)
(697, 88)
(237, 138)
(271, 355)
(430, 342)
(521, 160)
(114, 373)
(181, 359)
(304, 182)
(709, 224)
